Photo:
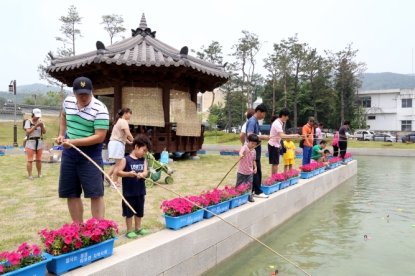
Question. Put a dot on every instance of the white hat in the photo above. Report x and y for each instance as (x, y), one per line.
(36, 113)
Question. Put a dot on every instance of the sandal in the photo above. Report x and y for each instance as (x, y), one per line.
(142, 231)
(131, 235)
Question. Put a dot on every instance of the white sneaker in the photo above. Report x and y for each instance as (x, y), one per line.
(261, 195)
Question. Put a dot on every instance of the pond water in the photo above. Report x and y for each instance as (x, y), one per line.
(327, 238)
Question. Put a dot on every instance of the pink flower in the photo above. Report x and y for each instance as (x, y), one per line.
(1, 268)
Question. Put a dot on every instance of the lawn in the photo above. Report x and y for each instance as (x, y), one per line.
(351, 143)
(28, 206)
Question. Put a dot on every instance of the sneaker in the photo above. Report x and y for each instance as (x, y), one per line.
(344, 163)
(251, 198)
(30, 178)
(131, 235)
(40, 176)
(142, 231)
(261, 195)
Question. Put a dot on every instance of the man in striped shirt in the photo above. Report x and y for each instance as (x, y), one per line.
(83, 123)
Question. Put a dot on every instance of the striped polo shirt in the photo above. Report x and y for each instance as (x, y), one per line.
(81, 123)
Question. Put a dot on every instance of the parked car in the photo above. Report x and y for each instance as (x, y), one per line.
(408, 137)
(327, 134)
(365, 135)
(386, 137)
(233, 130)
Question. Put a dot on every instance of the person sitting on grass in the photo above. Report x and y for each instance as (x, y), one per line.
(318, 150)
(133, 170)
(247, 165)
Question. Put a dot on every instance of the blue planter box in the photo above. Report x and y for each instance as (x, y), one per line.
(271, 189)
(294, 180)
(285, 184)
(316, 172)
(106, 162)
(37, 269)
(321, 170)
(201, 152)
(176, 223)
(1, 153)
(82, 257)
(217, 209)
(299, 156)
(306, 175)
(238, 201)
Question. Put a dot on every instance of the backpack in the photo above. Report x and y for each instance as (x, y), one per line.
(24, 122)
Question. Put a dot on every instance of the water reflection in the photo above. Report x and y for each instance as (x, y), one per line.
(327, 237)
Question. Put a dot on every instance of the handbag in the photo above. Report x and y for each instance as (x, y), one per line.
(302, 143)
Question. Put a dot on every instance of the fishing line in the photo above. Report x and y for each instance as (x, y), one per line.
(234, 226)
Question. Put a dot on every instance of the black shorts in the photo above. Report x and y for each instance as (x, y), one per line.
(137, 202)
(80, 175)
(274, 155)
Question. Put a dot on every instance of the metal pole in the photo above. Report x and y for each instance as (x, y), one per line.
(15, 126)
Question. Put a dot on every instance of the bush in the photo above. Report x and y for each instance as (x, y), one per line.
(213, 133)
(228, 137)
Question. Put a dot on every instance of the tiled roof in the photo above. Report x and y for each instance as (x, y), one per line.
(143, 49)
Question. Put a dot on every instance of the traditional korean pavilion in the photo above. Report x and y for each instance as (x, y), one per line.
(156, 81)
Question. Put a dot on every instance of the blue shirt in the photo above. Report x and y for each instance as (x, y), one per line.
(252, 126)
(133, 186)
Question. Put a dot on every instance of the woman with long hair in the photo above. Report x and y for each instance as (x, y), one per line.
(120, 135)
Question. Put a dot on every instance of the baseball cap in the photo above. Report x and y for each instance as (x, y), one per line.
(36, 112)
(82, 85)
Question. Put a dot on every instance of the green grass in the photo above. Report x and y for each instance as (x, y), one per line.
(6, 130)
(350, 143)
(28, 206)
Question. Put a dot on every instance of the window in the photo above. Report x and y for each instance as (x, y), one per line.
(198, 107)
(406, 125)
(371, 117)
(406, 103)
(366, 101)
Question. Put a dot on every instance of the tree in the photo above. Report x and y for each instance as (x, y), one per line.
(212, 54)
(347, 78)
(245, 52)
(69, 29)
(271, 64)
(113, 24)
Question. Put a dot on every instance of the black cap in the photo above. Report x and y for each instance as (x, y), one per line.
(82, 85)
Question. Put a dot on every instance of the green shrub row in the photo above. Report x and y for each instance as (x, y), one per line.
(228, 137)
(213, 133)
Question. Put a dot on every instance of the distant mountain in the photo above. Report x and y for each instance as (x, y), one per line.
(23, 91)
(380, 81)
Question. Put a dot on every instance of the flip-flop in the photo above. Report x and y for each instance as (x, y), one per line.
(131, 235)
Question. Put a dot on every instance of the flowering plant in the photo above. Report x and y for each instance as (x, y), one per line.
(298, 152)
(275, 178)
(318, 165)
(75, 236)
(243, 189)
(24, 256)
(335, 160)
(214, 197)
(308, 168)
(347, 155)
(180, 206)
(232, 192)
(291, 173)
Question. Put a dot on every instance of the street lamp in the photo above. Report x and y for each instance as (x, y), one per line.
(12, 88)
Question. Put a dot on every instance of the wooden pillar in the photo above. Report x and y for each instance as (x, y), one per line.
(117, 97)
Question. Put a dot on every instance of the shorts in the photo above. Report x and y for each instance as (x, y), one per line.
(243, 179)
(116, 150)
(274, 155)
(31, 152)
(80, 175)
(137, 202)
(289, 161)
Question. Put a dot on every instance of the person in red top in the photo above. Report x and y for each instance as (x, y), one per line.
(308, 133)
(247, 166)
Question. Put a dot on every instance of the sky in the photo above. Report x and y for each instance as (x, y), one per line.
(383, 31)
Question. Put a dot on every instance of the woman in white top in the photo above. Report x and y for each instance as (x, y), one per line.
(242, 135)
(34, 145)
(120, 135)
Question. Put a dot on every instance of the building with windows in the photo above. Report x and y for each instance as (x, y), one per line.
(389, 110)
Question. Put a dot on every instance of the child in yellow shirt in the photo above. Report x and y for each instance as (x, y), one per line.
(289, 155)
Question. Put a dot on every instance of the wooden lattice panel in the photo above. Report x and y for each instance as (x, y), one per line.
(184, 113)
(146, 104)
